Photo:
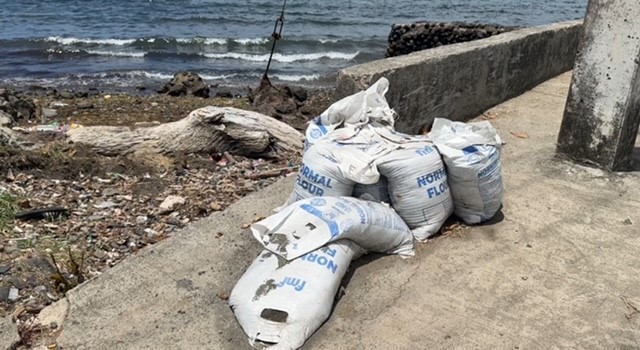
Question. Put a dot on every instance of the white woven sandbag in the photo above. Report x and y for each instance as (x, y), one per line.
(283, 302)
(335, 163)
(311, 223)
(471, 152)
(357, 109)
(418, 187)
(321, 174)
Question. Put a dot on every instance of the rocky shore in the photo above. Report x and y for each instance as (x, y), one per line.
(407, 38)
(81, 213)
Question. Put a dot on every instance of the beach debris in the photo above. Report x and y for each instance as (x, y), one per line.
(42, 213)
(58, 104)
(49, 113)
(171, 203)
(13, 294)
(520, 134)
(5, 119)
(105, 205)
(205, 130)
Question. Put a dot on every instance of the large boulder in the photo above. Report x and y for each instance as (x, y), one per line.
(186, 83)
(17, 106)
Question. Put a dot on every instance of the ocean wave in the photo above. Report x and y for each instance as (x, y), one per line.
(285, 58)
(328, 41)
(259, 41)
(254, 41)
(294, 77)
(116, 53)
(71, 41)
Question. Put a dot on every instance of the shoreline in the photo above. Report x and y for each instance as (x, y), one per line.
(146, 88)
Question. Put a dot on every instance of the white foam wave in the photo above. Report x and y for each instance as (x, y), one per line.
(328, 41)
(62, 51)
(284, 57)
(292, 77)
(71, 41)
(218, 77)
(116, 53)
(205, 41)
(253, 41)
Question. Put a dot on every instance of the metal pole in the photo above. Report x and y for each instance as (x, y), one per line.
(277, 35)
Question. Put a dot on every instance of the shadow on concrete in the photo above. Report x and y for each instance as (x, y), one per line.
(635, 159)
(362, 261)
(499, 217)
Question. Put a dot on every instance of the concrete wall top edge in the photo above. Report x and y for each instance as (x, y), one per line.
(387, 64)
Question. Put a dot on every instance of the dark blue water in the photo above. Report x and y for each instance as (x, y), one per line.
(120, 44)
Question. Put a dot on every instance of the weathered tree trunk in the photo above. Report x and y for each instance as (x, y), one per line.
(205, 130)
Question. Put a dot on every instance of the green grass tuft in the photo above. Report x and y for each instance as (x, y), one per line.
(8, 208)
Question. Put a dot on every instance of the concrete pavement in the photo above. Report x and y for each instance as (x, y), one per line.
(559, 270)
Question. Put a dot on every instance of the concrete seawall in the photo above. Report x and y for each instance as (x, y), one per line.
(461, 81)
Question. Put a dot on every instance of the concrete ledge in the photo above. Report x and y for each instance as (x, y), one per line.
(461, 81)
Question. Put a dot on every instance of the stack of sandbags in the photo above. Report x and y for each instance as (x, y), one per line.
(363, 187)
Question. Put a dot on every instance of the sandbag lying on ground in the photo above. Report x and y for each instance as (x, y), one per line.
(313, 222)
(357, 109)
(418, 187)
(283, 302)
(471, 152)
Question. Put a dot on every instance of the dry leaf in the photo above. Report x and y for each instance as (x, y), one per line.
(489, 116)
(223, 295)
(520, 134)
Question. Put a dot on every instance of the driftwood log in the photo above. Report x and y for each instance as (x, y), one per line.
(205, 130)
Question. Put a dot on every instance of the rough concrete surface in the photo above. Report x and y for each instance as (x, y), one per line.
(558, 270)
(461, 81)
(9, 336)
(602, 116)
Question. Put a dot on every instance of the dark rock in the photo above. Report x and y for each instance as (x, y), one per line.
(224, 94)
(4, 293)
(37, 88)
(185, 83)
(4, 269)
(81, 94)
(299, 93)
(84, 105)
(408, 38)
(285, 108)
(66, 95)
(41, 264)
(15, 281)
(141, 87)
(17, 106)
(271, 100)
(93, 92)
